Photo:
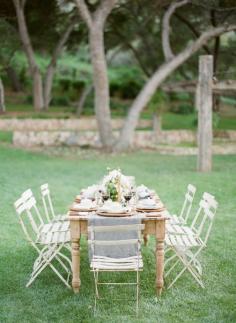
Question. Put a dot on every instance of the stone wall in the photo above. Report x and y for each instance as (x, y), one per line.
(61, 124)
(144, 139)
(83, 132)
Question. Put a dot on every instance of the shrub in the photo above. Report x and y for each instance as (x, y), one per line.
(29, 99)
(182, 108)
(60, 101)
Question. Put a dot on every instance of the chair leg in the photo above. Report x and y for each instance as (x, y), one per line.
(188, 266)
(46, 261)
(171, 268)
(137, 293)
(169, 260)
(95, 273)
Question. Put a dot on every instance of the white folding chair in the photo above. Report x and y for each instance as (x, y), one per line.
(101, 263)
(188, 245)
(173, 228)
(47, 239)
(48, 206)
(186, 208)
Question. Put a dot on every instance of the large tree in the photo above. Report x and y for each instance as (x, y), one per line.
(41, 91)
(95, 19)
(172, 61)
(9, 45)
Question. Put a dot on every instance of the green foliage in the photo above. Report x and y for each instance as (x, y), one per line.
(48, 300)
(228, 100)
(158, 102)
(215, 120)
(112, 191)
(125, 81)
(61, 101)
(9, 42)
(182, 108)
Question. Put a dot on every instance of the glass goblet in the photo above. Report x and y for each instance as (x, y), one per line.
(127, 198)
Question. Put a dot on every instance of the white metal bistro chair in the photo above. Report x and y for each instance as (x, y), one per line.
(48, 206)
(101, 263)
(188, 245)
(186, 208)
(173, 228)
(47, 239)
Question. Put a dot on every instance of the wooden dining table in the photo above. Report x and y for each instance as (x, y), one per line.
(153, 226)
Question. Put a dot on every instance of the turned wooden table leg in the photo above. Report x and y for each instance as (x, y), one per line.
(159, 265)
(75, 254)
(160, 238)
(76, 265)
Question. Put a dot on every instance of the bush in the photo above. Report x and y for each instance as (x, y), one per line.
(183, 109)
(125, 82)
(29, 99)
(60, 101)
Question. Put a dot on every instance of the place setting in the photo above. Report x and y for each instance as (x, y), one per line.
(117, 195)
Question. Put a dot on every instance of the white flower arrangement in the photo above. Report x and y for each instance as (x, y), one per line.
(116, 184)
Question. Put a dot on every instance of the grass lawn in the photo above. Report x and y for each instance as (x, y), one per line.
(47, 300)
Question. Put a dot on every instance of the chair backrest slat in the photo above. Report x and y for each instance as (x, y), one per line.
(47, 202)
(27, 211)
(188, 201)
(202, 223)
(114, 242)
(114, 228)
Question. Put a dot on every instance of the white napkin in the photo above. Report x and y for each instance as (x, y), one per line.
(142, 191)
(89, 192)
(147, 203)
(113, 207)
(85, 204)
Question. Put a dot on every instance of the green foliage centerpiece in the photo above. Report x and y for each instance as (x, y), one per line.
(116, 185)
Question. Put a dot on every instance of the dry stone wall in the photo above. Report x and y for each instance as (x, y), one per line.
(60, 124)
(144, 139)
(83, 132)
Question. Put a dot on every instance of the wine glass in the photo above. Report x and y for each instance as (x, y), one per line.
(105, 197)
(127, 198)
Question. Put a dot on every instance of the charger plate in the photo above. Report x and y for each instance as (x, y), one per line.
(148, 210)
(83, 209)
(115, 214)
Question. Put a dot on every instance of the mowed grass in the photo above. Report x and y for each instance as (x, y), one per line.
(47, 300)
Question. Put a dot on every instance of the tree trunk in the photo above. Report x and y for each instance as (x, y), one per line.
(37, 90)
(156, 122)
(52, 65)
(2, 98)
(101, 86)
(86, 91)
(27, 46)
(48, 85)
(15, 83)
(127, 132)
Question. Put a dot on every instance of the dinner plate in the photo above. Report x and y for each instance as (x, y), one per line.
(147, 210)
(82, 209)
(114, 214)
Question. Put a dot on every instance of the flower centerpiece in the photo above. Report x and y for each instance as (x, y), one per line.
(116, 185)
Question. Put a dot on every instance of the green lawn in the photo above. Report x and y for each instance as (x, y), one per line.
(47, 300)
